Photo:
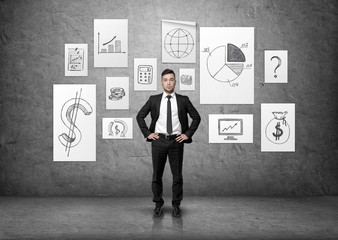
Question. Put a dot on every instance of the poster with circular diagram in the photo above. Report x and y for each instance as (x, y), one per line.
(227, 65)
(277, 127)
(117, 128)
(178, 41)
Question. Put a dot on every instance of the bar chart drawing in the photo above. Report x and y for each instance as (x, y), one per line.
(109, 47)
(110, 42)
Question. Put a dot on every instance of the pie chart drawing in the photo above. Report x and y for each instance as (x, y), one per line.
(226, 63)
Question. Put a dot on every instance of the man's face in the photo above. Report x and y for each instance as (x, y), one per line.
(168, 83)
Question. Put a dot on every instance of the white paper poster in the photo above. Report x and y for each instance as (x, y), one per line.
(230, 128)
(110, 42)
(76, 59)
(276, 66)
(117, 93)
(145, 74)
(277, 127)
(227, 65)
(117, 128)
(187, 79)
(178, 41)
(74, 122)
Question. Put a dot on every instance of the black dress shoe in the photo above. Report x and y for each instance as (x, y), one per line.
(177, 211)
(158, 211)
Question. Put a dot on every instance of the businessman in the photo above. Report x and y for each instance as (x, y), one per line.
(168, 131)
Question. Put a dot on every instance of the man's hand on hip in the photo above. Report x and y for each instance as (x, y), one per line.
(153, 136)
(181, 138)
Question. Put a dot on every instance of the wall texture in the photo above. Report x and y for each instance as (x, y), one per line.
(33, 34)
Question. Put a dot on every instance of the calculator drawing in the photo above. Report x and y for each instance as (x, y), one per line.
(145, 74)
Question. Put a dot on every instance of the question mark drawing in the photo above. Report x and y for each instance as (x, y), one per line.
(279, 63)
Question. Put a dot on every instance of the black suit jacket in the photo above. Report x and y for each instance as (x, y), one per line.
(184, 107)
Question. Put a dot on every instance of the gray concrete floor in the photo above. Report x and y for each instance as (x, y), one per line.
(203, 218)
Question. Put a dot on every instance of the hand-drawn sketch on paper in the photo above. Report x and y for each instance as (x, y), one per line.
(110, 42)
(74, 122)
(178, 41)
(230, 128)
(117, 93)
(276, 66)
(278, 127)
(187, 79)
(227, 65)
(117, 128)
(76, 60)
(145, 74)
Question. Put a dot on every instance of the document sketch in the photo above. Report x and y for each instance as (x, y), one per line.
(276, 66)
(76, 59)
(178, 41)
(145, 74)
(277, 127)
(117, 128)
(110, 42)
(187, 79)
(227, 65)
(117, 93)
(230, 128)
(74, 113)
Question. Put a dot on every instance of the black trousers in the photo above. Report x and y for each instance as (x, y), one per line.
(161, 149)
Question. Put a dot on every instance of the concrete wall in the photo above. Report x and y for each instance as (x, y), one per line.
(33, 34)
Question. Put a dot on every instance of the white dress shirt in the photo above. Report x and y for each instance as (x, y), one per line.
(161, 124)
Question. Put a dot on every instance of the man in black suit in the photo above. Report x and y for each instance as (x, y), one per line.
(168, 131)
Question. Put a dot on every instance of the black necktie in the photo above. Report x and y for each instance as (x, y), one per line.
(169, 121)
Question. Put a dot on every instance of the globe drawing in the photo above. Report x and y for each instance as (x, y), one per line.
(179, 43)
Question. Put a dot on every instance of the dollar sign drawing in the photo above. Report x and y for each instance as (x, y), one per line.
(117, 130)
(279, 131)
(69, 113)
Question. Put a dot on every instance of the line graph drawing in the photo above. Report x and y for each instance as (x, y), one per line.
(113, 47)
(117, 123)
(230, 127)
(110, 42)
(75, 59)
(179, 43)
(68, 115)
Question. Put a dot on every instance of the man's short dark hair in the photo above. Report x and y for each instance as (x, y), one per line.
(167, 71)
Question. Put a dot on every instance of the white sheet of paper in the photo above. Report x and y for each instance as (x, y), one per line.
(117, 92)
(276, 66)
(117, 128)
(187, 79)
(110, 42)
(74, 122)
(145, 74)
(178, 41)
(277, 127)
(227, 65)
(76, 59)
(230, 128)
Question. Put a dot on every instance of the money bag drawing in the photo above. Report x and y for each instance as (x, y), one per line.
(277, 130)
